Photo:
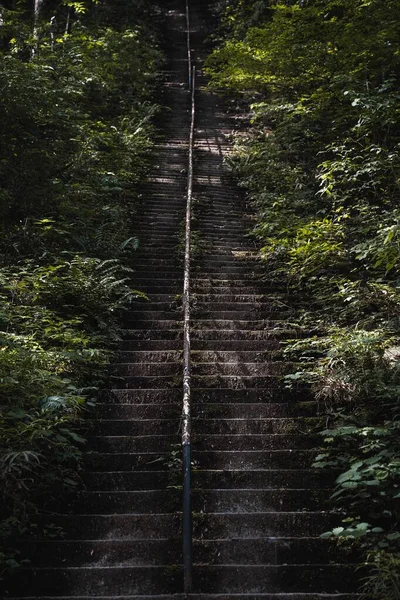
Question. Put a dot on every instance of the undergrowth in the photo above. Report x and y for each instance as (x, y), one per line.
(77, 100)
(320, 160)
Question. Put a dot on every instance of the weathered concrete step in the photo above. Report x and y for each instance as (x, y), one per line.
(130, 461)
(151, 306)
(118, 527)
(270, 550)
(237, 306)
(143, 396)
(161, 298)
(278, 441)
(155, 369)
(255, 501)
(247, 369)
(98, 580)
(150, 356)
(150, 345)
(113, 503)
(250, 299)
(148, 262)
(210, 269)
(225, 410)
(105, 552)
(269, 334)
(134, 427)
(152, 369)
(206, 287)
(203, 395)
(224, 259)
(214, 526)
(132, 335)
(235, 381)
(230, 278)
(255, 313)
(151, 325)
(244, 596)
(234, 324)
(256, 479)
(257, 578)
(127, 443)
(120, 481)
(156, 382)
(159, 286)
(158, 267)
(125, 411)
(246, 460)
(277, 596)
(143, 317)
(252, 426)
(207, 348)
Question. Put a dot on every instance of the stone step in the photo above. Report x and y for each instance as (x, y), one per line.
(249, 299)
(105, 552)
(159, 382)
(150, 345)
(239, 596)
(269, 550)
(226, 410)
(119, 481)
(143, 396)
(246, 460)
(269, 335)
(127, 443)
(144, 316)
(255, 501)
(277, 368)
(151, 306)
(205, 287)
(236, 381)
(147, 412)
(204, 395)
(151, 369)
(150, 356)
(258, 578)
(128, 527)
(277, 441)
(131, 461)
(258, 479)
(163, 335)
(253, 314)
(138, 502)
(135, 427)
(212, 479)
(153, 325)
(234, 324)
(256, 426)
(207, 347)
(99, 580)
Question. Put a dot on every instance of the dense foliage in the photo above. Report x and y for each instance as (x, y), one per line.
(77, 84)
(320, 159)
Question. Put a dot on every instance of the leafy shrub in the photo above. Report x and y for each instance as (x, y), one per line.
(320, 162)
(76, 119)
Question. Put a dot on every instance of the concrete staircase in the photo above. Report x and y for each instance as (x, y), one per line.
(258, 506)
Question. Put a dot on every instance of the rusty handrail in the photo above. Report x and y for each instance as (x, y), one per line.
(189, 50)
(186, 409)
